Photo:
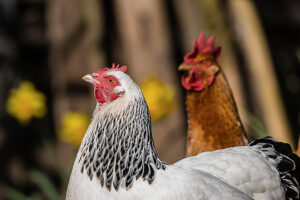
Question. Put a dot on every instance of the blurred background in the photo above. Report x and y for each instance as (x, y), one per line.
(47, 46)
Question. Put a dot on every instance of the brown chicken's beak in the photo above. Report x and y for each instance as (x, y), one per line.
(89, 78)
(184, 67)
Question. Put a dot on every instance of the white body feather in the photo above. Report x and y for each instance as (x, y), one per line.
(244, 167)
(173, 183)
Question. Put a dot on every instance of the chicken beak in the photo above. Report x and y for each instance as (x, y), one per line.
(184, 67)
(89, 78)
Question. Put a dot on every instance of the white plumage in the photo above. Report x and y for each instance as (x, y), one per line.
(244, 167)
(173, 183)
(117, 160)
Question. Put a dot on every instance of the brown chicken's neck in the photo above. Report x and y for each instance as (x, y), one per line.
(213, 120)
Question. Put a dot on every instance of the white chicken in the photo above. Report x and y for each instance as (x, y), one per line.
(117, 158)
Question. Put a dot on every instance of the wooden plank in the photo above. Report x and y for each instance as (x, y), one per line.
(263, 78)
(74, 31)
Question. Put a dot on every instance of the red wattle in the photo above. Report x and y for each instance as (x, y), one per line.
(98, 95)
(195, 84)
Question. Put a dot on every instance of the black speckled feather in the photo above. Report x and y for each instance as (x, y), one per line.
(286, 162)
(121, 148)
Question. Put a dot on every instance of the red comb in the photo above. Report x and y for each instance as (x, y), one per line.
(123, 68)
(113, 67)
(203, 46)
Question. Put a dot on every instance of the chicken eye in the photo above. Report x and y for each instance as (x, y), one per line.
(111, 81)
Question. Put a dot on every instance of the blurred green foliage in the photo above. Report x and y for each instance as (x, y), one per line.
(47, 188)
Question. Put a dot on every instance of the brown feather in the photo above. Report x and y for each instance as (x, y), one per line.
(213, 119)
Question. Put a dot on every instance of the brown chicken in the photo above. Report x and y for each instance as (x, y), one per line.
(213, 119)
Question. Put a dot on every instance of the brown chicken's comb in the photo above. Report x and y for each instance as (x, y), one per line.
(203, 46)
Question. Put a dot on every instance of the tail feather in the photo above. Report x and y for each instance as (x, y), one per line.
(286, 162)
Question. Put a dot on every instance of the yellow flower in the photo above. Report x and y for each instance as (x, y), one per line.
(26, 102)
(74, 126)
(159, 97)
